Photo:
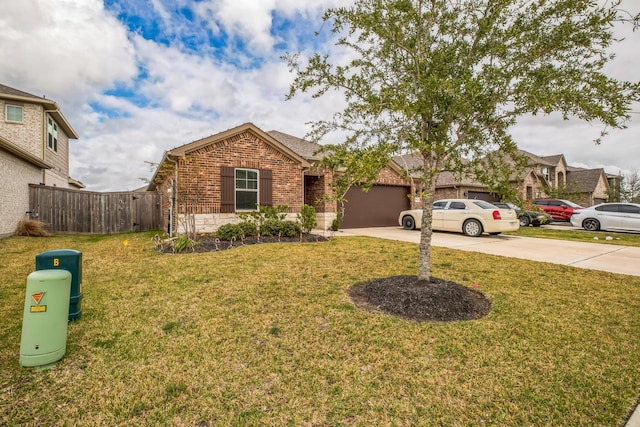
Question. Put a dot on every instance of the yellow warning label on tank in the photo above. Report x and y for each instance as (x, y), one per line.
(38, 308)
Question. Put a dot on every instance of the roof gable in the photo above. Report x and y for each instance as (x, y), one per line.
(180, 152)
(183, 150)
(585, 180)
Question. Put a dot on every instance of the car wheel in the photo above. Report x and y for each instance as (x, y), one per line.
(408, 223)
(524, 221)
(591, 224)
(472, 228)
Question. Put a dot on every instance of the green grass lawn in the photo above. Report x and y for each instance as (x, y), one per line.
(266, 335)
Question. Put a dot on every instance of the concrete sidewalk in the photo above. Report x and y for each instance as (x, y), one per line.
(595, 256)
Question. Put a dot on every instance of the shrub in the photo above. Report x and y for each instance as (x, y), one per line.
(307, 218)
(230, 232)
(248, 228)
(32, 227)
(335, 225)
(274, 227)
(182, 243)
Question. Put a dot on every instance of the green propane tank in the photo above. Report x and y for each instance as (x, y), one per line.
(44, 324)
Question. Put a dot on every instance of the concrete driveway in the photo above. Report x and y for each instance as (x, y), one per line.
(595, 256)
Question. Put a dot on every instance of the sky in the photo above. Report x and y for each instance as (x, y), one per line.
(136, 78)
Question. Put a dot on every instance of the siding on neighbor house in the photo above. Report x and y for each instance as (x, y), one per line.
(59, 160)
(28, 135)
(15, 174)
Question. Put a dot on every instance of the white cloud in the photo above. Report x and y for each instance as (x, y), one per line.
(66, 51)
(77, 50)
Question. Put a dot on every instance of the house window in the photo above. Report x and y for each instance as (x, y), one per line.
(52, 135)
(246, 189)
(14, 113)
(545, 173)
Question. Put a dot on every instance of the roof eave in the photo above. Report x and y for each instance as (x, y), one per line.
(22, 154)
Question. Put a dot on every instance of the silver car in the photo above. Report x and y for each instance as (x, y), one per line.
(608, 216)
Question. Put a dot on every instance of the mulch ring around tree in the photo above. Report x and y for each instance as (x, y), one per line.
(408, 298)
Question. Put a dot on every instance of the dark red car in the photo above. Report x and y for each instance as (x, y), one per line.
(558, 209)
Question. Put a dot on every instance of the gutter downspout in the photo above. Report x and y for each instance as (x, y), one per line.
(174, 190)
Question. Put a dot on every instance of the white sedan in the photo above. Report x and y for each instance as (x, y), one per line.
(608, 216)
(471, 217)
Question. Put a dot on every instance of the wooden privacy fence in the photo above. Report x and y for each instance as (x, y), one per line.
(76, 211)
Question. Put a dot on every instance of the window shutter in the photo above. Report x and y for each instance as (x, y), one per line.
(266, 187)
(227, 189)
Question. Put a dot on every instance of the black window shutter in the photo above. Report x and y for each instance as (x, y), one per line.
(266, 187)
(227, 197)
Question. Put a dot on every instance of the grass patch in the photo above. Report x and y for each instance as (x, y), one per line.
(267, 335)
(580, 235)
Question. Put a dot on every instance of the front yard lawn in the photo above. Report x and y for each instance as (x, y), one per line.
(267, 335)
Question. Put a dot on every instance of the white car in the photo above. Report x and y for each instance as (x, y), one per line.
(608, 216)
(471, 217)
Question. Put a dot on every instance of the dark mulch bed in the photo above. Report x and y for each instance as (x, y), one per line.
(408, 298)
(209, 243)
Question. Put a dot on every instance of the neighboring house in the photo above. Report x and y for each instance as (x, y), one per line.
(34, 149)
(219, 177)
(545, 176)
(551, 176)
(588, 187)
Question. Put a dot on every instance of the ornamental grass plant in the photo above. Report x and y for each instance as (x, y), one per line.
(267, 335)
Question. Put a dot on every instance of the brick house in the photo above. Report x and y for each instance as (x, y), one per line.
(34, 149)
(544, 176)
(218, 177)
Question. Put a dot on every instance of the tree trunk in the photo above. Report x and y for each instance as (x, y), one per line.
(428, 196)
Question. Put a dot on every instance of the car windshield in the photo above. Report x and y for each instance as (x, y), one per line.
(484, 205)
(570, 204)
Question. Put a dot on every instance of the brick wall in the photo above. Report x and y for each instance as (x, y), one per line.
(199, 179)
(200, 184)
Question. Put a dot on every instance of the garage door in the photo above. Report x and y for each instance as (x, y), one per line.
(481, 195)
(379, 207)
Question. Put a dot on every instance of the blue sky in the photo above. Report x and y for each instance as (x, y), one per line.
(138, 77)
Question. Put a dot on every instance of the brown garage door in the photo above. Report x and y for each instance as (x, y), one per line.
(379, 207)
(481, 195)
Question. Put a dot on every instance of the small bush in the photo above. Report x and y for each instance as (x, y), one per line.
(274, 227)
(183, 243)
(32, 227)
(335, 225)
(307, 218)
(248, 228)
(230, 232)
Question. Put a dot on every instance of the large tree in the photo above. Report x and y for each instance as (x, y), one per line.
(446, 79)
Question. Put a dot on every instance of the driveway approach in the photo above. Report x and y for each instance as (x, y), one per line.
(596, 256)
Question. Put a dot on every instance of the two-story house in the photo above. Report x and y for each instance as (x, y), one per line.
(34, 149)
